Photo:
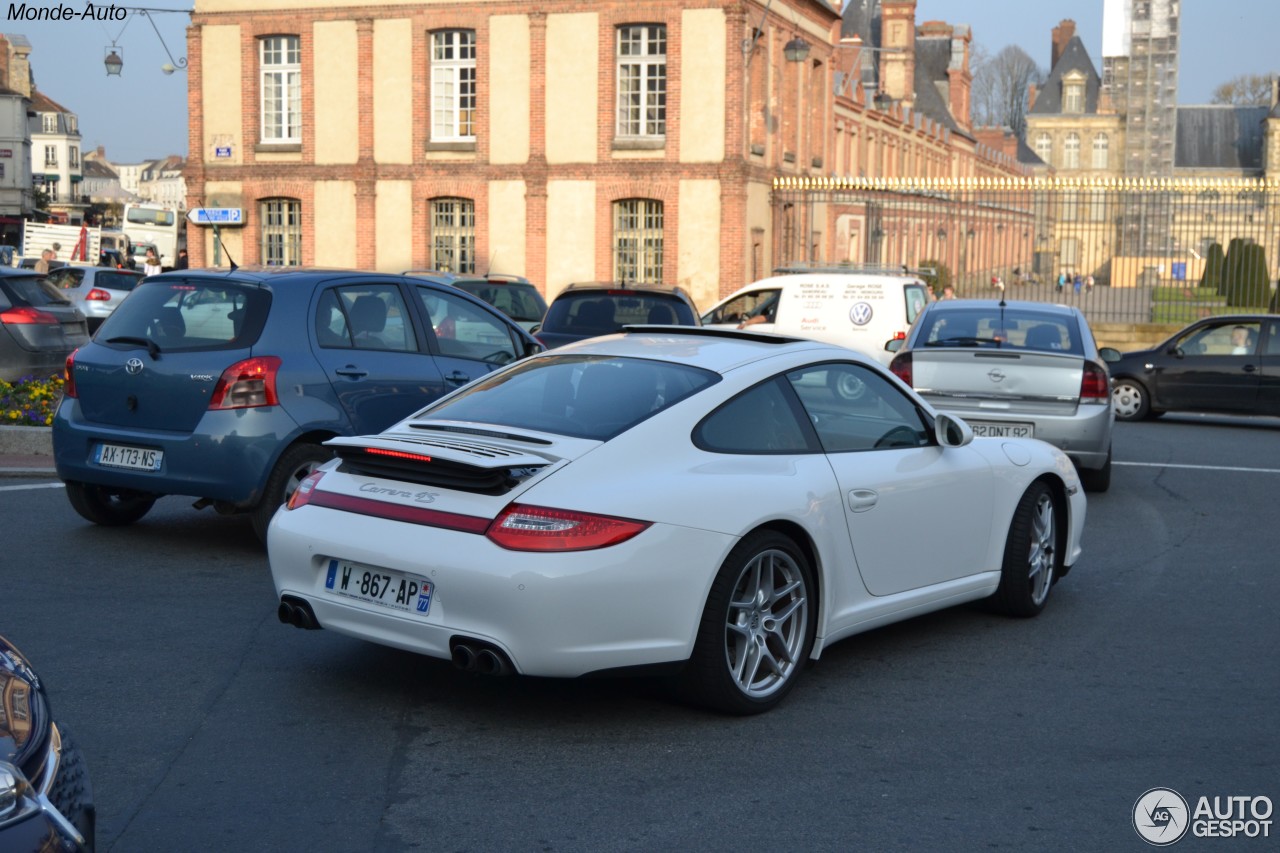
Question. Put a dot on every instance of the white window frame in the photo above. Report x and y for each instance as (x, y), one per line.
(453, 235)
(73, 157)
(51, 156)
(1101, 150)
(638, 240)
(1071, 151)
(49, 122)
(453, 86)
(280, 231)
(1073, 97)
(1044, 148)
(280, 89)
(641, 74)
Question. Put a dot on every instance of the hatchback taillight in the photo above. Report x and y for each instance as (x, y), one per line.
(536, 528)
(69, 386)
(25, 315)
(1094, 387)
(247, 384)
(97, 295)
(901, 367)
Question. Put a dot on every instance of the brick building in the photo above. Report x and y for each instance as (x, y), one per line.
(566, 140)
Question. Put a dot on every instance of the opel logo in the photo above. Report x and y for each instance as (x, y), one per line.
(860, 313)
(996, 375)
(133, 366)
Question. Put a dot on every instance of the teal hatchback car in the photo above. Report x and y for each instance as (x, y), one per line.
(224, 385)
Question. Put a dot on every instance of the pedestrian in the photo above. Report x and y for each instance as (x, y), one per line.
(1062, 280)
(151, 266)
(1077, 283)
(1017, 276)
(181, 262)
(948, 292)
(1088, 283)
(42, 265)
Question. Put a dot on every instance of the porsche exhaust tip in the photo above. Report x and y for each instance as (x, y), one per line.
(475, 656)
(297, 612)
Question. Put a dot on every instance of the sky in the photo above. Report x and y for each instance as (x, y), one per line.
(142, 114)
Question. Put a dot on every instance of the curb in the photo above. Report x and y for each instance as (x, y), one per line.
(26, 441)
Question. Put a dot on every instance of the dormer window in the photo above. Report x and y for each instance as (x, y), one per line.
(49, 122)
(1073, 94)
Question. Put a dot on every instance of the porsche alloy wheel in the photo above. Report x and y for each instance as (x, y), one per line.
(758, 627)
(1032, 557)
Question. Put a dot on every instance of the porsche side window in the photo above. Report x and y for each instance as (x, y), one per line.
(761, 420)
(854, 408)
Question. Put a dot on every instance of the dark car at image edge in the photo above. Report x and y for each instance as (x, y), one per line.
(224, 385)
(1229, 364)
(46, 800)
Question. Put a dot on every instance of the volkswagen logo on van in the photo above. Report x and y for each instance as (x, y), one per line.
(860, 313)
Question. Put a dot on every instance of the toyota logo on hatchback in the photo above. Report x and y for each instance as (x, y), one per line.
(133, 366)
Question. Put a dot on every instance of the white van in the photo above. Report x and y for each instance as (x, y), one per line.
(862, 310)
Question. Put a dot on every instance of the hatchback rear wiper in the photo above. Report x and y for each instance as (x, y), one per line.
(959, 341)
(152, 347)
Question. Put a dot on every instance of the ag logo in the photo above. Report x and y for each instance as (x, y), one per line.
(860, 313)
(1161, 817)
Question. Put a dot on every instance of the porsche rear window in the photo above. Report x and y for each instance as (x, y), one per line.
(594, 397)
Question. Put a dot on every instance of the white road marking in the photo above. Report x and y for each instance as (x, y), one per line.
(1199, 467)
(33, 486)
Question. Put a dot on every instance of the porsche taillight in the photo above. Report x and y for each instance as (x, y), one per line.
(534, 528)
(247, 384)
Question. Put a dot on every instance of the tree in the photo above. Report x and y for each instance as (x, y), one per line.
(939, 278)
(1000, 87)
(1250, 287)
(1245, 90)
(1213, 261)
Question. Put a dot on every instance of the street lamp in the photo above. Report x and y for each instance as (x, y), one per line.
(796, 50)
(114, 62)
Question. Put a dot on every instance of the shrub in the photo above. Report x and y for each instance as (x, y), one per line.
(939, 278)
(1232, 263)
(30, 401)
(1213, 261)
(1248, 285)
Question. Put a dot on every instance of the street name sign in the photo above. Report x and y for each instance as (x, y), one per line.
(215, 216)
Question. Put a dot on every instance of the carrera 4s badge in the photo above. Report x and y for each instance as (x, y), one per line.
(418, 497)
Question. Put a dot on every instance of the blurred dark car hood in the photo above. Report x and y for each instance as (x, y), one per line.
(24, 723)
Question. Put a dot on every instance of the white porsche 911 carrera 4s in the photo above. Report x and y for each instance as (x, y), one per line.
(714, 504)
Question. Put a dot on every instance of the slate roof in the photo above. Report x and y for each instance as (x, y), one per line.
(1074, 58)
(1219, 137)
(933, 56)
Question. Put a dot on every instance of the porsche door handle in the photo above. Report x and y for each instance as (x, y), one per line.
(861, 500)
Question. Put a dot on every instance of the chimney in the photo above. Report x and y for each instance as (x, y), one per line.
(1032, 91)
(1063, 33)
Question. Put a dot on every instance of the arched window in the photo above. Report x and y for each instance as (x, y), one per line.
(637, 240)
(453, 235)
(280, 229)
(1071, 151)
(1100, 145)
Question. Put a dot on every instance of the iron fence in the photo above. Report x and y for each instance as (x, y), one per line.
(1124, 250)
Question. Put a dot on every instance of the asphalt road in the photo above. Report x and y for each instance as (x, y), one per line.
(208, 725)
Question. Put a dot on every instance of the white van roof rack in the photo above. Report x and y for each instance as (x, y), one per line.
(874, 269)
